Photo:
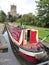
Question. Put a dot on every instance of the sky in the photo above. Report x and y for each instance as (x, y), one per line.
(23, 6)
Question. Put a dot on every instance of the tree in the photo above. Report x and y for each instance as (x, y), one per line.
(2, 16)
(43, 11)
(12, 19)
(28, 19)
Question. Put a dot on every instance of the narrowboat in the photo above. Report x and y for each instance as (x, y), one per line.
(27, 43)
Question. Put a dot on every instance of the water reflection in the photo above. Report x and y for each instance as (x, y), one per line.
(7, 39)
(6, 36)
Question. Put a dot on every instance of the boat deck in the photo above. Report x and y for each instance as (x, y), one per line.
(29, 46)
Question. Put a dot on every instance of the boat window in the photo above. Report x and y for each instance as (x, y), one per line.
(28, 35)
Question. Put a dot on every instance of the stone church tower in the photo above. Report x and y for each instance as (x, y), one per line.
(13, 11)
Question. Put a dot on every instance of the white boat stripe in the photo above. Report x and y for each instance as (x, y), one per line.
(29, 53)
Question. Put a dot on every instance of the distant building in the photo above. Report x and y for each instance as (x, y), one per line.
(13, 12)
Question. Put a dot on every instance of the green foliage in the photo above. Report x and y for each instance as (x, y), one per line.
(43, 11)
(2, 16)
(28, 19)
(12, 19)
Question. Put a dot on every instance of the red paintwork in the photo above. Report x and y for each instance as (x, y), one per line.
(29, 58)
(38, 44)
(15, 33)
(33, 37)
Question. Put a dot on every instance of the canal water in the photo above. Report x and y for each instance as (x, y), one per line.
(10, 57)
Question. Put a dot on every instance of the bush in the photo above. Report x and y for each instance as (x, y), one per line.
(2, 16)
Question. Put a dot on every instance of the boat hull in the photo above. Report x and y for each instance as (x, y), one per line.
(24, 56)
(17, 49)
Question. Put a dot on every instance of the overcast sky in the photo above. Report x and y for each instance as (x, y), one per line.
(23, 6)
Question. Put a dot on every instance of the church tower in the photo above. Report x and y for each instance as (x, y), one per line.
(13, 11)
